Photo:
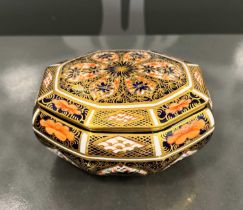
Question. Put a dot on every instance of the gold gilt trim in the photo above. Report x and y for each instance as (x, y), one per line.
(153, 124)
(93, 104)
(156, 157)
(153, 121)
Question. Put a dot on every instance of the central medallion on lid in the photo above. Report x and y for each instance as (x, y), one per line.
(121, 68)
(115, 77)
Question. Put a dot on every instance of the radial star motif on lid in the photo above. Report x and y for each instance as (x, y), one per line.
(115, 77)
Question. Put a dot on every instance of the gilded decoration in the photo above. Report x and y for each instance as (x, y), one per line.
(122, 77)
(123, 112)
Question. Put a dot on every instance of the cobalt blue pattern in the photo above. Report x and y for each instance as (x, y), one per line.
(48, 102)
(140, 86)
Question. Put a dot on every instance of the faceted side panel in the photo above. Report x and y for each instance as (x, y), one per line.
(57, 130)
(104, 120)
(64, 107)
(197, 78)
(117, 145)
(118, 77)
(125, 146)
(180, 107)
(121, 169)
(47, 84)
(123, 118)
(186, 132)
(96, 166)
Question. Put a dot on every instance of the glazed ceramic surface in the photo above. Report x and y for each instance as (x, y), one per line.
(123, 112)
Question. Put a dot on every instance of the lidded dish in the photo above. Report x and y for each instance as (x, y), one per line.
(123, 111)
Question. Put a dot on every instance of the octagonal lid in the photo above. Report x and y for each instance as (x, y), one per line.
(122, 90)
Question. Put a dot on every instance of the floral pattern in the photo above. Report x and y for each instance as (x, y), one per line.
(187, 131)
(185, 104)
(161, 70)
(81, 71)
(65, 106)
(178, 106)
(60, 131)
(105, 57)
(122, 76)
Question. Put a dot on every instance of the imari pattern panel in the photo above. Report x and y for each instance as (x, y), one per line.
(120, 112)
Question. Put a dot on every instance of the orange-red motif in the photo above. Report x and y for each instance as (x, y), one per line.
(161, 70)
(175, 107)
(82, 71)
(105, 76)
(64, 106)
(59, 130)
(187, 131)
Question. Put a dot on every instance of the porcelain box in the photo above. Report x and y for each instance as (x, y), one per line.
(123, 111)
